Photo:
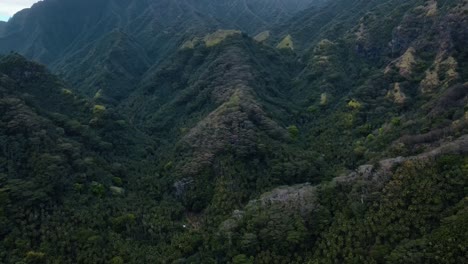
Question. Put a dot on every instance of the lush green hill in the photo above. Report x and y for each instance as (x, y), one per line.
(224, 104)
(108, 67)
(60, 152)
(235, 132)
(381, 82)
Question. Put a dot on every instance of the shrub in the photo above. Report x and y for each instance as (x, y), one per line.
(34, 257)
(97, 189)
(293, 131)
(99, 109)
(117, 260)
(354, 105)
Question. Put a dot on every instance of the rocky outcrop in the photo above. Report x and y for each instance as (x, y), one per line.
(303, 198)
(404, 64)
(396, 94)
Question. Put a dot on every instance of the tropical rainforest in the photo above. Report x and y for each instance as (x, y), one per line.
(234, 131)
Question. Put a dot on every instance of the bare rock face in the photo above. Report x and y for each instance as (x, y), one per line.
(182, 185)
(301, 198)
(459, 147)
(404, 64)
(298, 198)
(117, 191)
(378, 175)
(396, 94)
(228, 225)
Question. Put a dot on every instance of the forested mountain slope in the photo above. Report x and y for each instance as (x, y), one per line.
(63, 33)
(384, 79)
(235, 132)
(59, 151)
(221, 106)
(108, 67)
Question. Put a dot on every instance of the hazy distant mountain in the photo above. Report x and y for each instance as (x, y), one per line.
(2, 27)
(62, 33)
(51, 29)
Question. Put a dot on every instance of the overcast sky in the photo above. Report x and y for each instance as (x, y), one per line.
(9, 7)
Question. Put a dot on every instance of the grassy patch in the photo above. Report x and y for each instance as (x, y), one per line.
(286, 43)
(262, 36)
(218, 36)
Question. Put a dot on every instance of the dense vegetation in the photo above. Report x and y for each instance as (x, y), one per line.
(338, 134)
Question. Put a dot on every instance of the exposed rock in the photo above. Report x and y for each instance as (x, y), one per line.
(262, 36)
(325, 46)
(442, 65)
(404, 64)
(303, 198)
(323, 99)
(431, 8)
(218, 36)
(396, 94)
(430, 82)
(450, 66)
(117, 191)
(228, 225)
(300, 198)
(189, 44)
(286, 43)
(458, 146)
(237, 214)
(365, 170)
(182, 185)
(377, 177)
(233, 222)
(361, 32)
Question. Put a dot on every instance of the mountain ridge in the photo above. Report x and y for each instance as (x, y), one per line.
(156, 27)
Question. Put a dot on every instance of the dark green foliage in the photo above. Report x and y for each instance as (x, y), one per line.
(386, 224)
(35, 257)
(293, 131)
(169, 151)
(108, 46)
(410, 206)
